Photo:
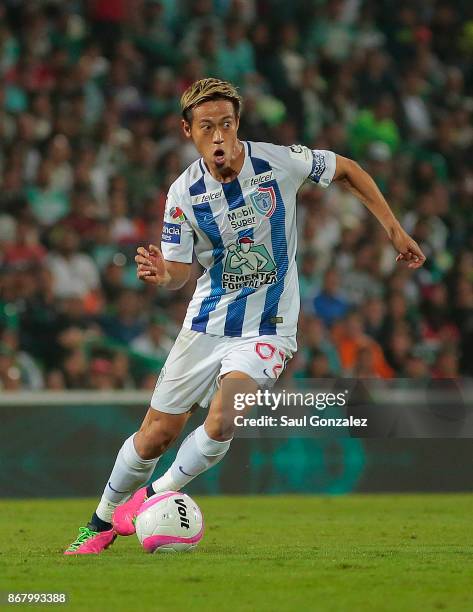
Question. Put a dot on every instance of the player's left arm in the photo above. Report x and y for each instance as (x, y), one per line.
(352, 176)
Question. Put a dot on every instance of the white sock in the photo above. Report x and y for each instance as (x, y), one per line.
(197, 454)
(105, 509)
(129, 473)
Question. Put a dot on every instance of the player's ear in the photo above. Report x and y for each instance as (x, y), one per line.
(186, 128)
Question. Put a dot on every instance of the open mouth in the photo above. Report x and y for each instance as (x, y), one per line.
(219, 156)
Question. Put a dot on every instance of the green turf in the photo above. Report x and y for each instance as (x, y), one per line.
(384, 552)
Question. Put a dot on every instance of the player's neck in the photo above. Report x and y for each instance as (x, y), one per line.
(230, 172)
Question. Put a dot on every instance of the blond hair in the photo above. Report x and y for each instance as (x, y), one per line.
(209, 89)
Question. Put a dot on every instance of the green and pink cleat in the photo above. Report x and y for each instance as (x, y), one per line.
(91, 542)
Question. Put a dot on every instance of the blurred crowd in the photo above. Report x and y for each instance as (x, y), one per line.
(90, 141)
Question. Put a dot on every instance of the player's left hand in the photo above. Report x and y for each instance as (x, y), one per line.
(409, 250)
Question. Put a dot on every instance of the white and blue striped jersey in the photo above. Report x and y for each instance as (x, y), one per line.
(243, 233)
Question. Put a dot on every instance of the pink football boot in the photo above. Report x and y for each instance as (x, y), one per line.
(123, 519)
(90, 542)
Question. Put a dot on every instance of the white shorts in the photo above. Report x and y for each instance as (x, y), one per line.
(197, 361)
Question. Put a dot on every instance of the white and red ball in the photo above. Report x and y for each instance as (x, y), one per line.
(169, 521)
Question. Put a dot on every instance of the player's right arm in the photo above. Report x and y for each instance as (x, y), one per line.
(170, 265)
(153, 268)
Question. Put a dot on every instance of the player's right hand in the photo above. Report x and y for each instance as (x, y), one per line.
(151, 267)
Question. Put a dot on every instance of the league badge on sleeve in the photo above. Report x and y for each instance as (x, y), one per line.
(177, 214)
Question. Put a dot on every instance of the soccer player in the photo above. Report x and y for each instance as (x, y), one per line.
(235, 209)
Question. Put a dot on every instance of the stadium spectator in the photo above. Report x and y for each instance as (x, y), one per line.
(316, 340)
(19, 361)
(154, 341)
(235, 61)
(309, 277)
(73, 273)
(329, 304)
(26, 249)
(75, 369)
(318, 366)
(125, 325)
(415, 367)
(374, 313)
(354, 345)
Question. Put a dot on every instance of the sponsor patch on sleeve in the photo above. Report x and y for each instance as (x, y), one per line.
(171, 233)
(318, 166)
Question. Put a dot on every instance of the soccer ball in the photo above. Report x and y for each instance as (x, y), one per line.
(169, 522)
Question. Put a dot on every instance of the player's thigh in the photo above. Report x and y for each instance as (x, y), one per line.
(189, 372)
(263, 358)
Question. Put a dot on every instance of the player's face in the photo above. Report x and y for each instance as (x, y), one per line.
(214, 130)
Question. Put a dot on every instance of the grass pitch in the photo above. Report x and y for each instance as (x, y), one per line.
(362, 552)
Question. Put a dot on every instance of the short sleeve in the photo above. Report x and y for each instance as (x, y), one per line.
(315, 164)
(177, 240)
